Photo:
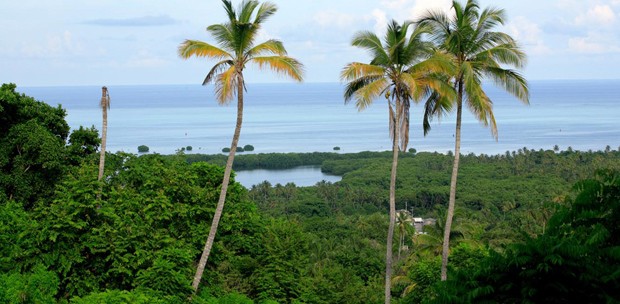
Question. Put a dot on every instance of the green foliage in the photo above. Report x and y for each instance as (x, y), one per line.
(120, 297)
(282, 160)
(38, 286)
(573, 261)
(248, 148)
(336, 148)
(239, 149)
(140, 240)
(225, 150)
(144, 231)
(282, 261)
(143, 148)
(33, 153)
(189, 148)
(83, 143)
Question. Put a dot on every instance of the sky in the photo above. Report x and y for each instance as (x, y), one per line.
(130, 42)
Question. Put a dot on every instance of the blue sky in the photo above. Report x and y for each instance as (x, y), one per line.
(124, 42)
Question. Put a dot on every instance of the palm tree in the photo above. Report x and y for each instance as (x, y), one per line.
(477, 52)
(236, 49)
(105, 105)
(398, 72)
(404, 221)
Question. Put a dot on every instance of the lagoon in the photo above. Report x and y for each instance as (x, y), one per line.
(301, 176)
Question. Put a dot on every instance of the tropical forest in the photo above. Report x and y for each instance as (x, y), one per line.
(82, 223)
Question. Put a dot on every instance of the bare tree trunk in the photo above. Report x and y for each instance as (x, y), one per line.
(455, 172)
(390, 236)
(220, 204)
(105, 104)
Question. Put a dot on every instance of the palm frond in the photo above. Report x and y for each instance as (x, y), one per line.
(503, 54)
(364, 90)
(439, 24)
(197, 48)
(282, 65)
(370, 42)
(224, 35)
(513, 82)
(490, 18)
(230, 11)
(245, 10)
(216, 70)
(264, 12)
(356, 70)
(271, 46)
(226, 85)
(481, 106)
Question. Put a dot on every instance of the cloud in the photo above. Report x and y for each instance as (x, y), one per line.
(594, 43)
(599, 14)
(381, 21)
(59, 45)
(160, 20)
(333, 18)
(144, 59)
(528, 34)
(422, 6)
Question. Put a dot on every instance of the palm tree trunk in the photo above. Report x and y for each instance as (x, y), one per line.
(455, 172)
(390, 236)
(104, 130)
(220, 204)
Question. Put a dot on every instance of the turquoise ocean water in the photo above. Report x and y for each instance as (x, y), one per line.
(313, 117)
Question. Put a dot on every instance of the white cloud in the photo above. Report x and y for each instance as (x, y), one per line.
(58, 45)
(381, 21)
(146, 60)
(528, 34)
(333, 18)
(599, 14)
(395, 4)
(584, 45)
(422, 6)
(594, 43)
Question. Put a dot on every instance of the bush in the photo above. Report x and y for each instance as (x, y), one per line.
(143, 149)
(248, 148)
(336, 148)
(226, 150)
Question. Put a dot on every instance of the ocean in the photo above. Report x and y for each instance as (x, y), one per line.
(582, 114)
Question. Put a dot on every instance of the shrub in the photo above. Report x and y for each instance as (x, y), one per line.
(143, 149)
(248, 148)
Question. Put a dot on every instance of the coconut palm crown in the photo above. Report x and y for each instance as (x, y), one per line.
(478, 53)
(404, 69)
(236, 48)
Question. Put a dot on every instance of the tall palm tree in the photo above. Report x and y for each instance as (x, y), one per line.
(105, 105)
(478, 52)
(402, 71)
(236, 48)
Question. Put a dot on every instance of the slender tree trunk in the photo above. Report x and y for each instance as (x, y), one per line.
(105, 103)
(455, 172)
(220, 204)
(400, 244)
(390, 236)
